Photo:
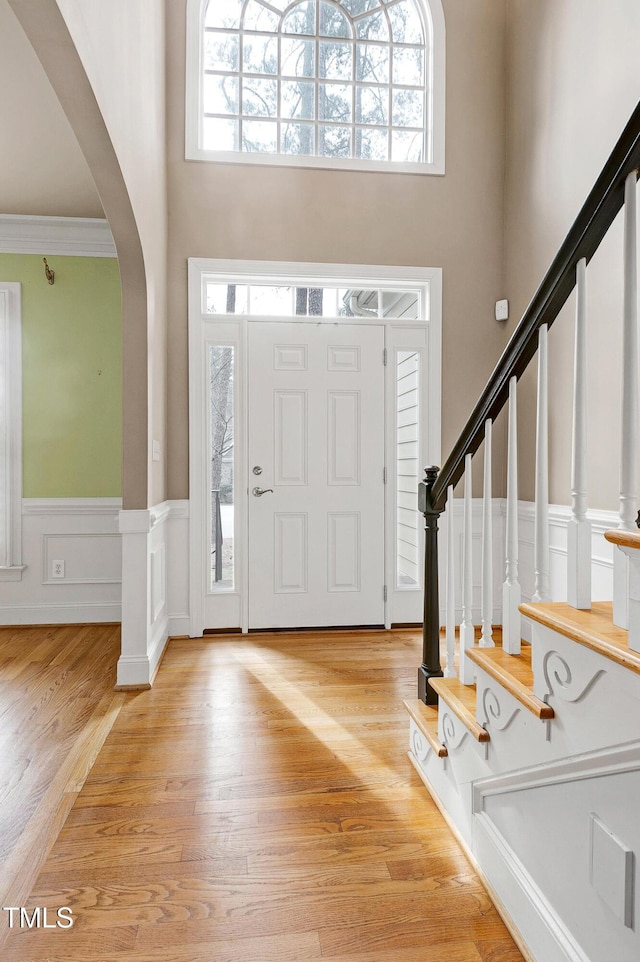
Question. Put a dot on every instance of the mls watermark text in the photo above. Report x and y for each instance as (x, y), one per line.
(39, 917)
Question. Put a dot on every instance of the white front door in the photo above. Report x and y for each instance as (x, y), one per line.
(316, 448)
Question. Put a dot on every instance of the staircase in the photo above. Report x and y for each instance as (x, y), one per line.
(531, 749)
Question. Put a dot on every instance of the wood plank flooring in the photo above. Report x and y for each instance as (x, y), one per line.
(57, 705)
(257, 804)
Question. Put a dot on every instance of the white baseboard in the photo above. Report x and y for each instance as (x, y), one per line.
(179, 626)
(73, 614)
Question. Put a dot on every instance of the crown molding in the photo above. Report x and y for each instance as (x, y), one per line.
(70, 236)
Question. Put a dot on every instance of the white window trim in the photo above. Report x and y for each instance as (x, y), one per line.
(435, 94)
(11, 567)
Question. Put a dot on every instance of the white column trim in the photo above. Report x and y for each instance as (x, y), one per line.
(145, 620)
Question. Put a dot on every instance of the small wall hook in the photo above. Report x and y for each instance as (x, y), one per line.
(49, 274)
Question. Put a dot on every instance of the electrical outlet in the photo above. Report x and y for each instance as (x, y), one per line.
(57, 569)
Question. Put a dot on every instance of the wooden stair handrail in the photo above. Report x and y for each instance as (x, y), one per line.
(589, 228)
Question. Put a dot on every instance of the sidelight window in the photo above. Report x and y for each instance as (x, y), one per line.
(221, 466)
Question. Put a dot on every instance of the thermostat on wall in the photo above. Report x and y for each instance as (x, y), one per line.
(502, 310)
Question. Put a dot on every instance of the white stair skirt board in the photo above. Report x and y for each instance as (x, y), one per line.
(543, 931)
(560, 865)
(546, 808)
(145, 622)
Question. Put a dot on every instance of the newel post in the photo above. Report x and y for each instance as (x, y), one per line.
(430, 667)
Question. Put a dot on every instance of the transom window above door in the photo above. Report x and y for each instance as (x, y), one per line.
(346, 83)
(269, 300)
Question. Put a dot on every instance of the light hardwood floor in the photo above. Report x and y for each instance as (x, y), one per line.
(57, 705)
(258, 804)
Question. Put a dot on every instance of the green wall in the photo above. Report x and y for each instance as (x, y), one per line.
(72, 375)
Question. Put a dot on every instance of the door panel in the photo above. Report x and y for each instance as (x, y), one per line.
(316, 437)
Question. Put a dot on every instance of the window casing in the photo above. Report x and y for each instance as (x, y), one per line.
(326, 83)
(10, 433)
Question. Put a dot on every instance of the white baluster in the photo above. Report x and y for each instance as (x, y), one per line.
(450, 620)
(511, 591)
(466, 627)
(486, 638)
(541, 592)
(579, 531)
(629, 452)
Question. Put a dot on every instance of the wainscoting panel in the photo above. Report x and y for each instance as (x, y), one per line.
(178, 567)
(83, 535)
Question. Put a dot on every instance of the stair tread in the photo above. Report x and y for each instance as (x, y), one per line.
(514, 673)
(426, 718)
(626, 539)
(461, 699)
(593, 628)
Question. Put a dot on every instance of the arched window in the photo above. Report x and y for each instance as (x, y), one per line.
(347, 83)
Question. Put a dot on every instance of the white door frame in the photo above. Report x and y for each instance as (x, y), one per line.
(232, 606)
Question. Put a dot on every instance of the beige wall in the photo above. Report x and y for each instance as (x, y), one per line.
(573, 81)
(105, 63)
(454, 222)
(122, 47)
(43, 170)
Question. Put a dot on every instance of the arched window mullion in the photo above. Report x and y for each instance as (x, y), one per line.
(316, 88)
(278, 13)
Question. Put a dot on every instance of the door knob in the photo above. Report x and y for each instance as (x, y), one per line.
(258, 492)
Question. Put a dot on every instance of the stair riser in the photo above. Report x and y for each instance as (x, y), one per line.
(438, 774)
(596, 701)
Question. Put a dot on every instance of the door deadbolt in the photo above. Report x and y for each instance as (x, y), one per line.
(257, 469)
